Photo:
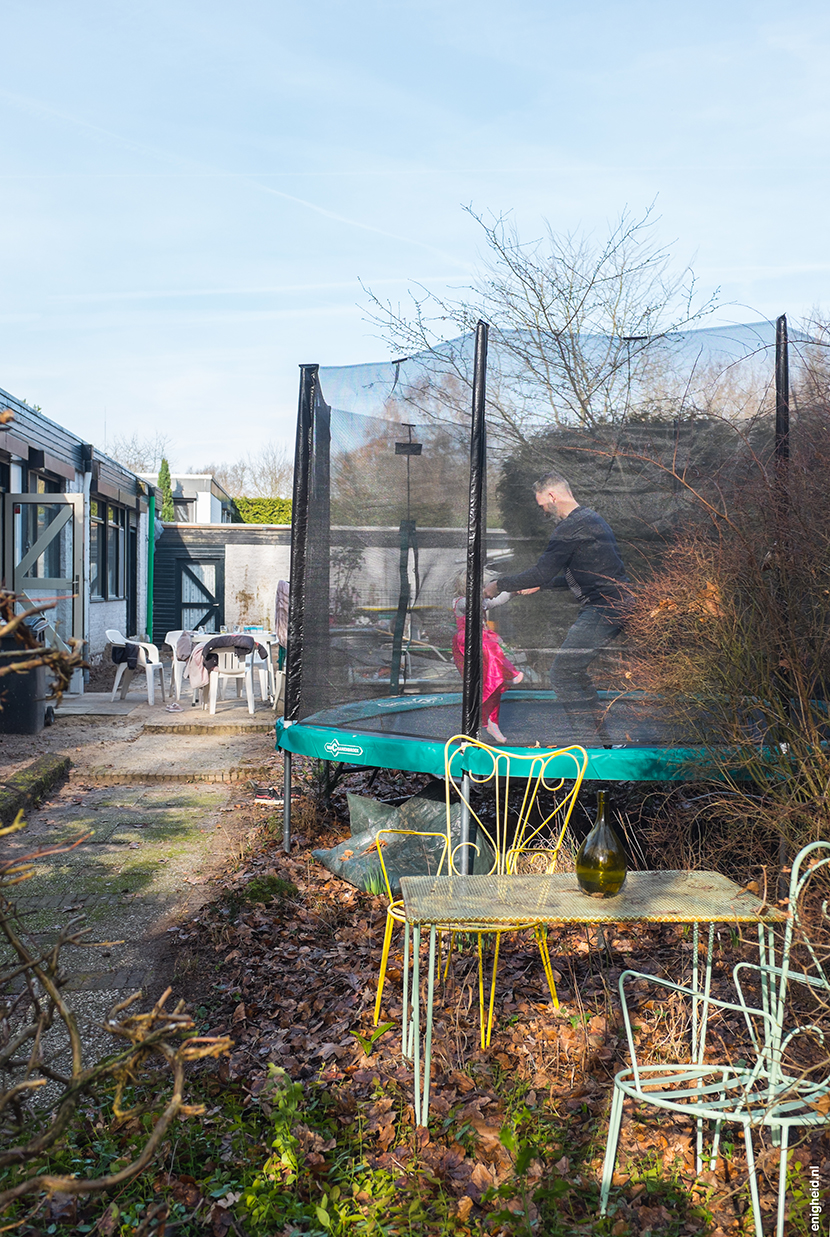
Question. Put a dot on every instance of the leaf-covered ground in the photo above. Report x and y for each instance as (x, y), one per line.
(309, 1126)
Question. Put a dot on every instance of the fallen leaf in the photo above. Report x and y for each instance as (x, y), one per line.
(220, 1221)
(489, 1139)
(63, 1208)
(481, 1177)
(185, 1190)
(463, 1207)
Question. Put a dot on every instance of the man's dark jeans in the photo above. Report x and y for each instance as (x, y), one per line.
(569, 676)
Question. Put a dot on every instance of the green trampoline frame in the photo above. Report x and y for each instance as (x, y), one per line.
(336, 734)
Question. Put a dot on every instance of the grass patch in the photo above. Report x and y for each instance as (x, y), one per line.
(259, 891)
(265, 888)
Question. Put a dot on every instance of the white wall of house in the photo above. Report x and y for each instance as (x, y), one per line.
(208, 508)
(198, 489)
(203, 507)
(141, 581)
(251, 576)
(104, 615)
(60, 454)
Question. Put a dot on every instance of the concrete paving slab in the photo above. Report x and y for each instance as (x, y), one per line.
(94, 704)
(148, 863)
(232, 717)
(160, 833)
(231, 714)
(214, 757)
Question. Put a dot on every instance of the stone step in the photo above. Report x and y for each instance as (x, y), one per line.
(138, 777)
(220, 727)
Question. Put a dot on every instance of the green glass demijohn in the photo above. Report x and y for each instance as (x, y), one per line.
(600, 861)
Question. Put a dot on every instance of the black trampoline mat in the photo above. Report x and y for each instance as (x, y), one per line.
(525, 722)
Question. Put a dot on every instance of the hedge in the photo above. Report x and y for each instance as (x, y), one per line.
(263, 510)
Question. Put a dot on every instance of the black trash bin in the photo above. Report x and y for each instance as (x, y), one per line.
(22, 696)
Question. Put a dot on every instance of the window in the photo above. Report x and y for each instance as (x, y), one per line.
(44, 485)
(184, 510)
(107, 550)
(36, 519)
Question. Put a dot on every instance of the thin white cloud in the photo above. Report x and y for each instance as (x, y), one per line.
(275, 290)
(38, 107)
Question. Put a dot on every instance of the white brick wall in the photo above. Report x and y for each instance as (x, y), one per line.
(251, 575)
(103, 615)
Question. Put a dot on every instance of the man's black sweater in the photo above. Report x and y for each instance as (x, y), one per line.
(582, 555)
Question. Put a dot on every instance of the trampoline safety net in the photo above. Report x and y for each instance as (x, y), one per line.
(381, 550)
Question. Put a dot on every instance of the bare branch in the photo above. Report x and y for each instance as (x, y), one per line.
(578, 325)
(160, 1035)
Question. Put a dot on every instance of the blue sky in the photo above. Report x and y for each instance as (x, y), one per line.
(191, 191)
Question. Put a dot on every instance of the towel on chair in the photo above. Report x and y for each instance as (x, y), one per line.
(184, 646)
(125, 653)
(232, 640)
(196, 671)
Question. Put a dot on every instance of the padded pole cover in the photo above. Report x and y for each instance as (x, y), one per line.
(299, 542)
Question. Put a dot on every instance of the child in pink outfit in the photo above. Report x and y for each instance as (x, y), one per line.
(498, 673)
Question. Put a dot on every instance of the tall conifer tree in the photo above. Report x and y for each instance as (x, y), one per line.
(168, 511)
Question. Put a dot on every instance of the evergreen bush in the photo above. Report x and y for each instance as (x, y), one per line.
(263, 510)
(168, 511)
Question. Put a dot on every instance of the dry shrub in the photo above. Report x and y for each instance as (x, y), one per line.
(696, 826)
(734, 637)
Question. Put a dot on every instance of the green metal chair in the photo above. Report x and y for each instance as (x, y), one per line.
(433, 857)
(782, 1083)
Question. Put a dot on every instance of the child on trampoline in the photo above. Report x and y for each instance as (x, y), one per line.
(498, 673)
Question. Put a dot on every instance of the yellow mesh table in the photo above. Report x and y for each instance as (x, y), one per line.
(471, 903)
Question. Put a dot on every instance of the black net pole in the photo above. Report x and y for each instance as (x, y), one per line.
(471, 699)
(782, 393)
(299, 549)
(407, 530)
(782, 458)
(473, 656)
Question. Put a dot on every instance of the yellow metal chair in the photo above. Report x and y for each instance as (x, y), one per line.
(522, 836)
(510, 837)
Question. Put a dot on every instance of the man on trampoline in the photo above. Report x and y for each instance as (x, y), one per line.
(582, 555)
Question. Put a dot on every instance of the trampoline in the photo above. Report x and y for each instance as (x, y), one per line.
(396, 497)
(401, 734)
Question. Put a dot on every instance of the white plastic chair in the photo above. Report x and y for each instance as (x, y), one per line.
(279, 691)
(148, 661)
(236, 665)
(179, 667)
(261, 667)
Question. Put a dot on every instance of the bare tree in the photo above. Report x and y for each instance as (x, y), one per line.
(812, 387)
(577, 325)
(270, 471)
(137, 453)
(231, 476)
(264, 474)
